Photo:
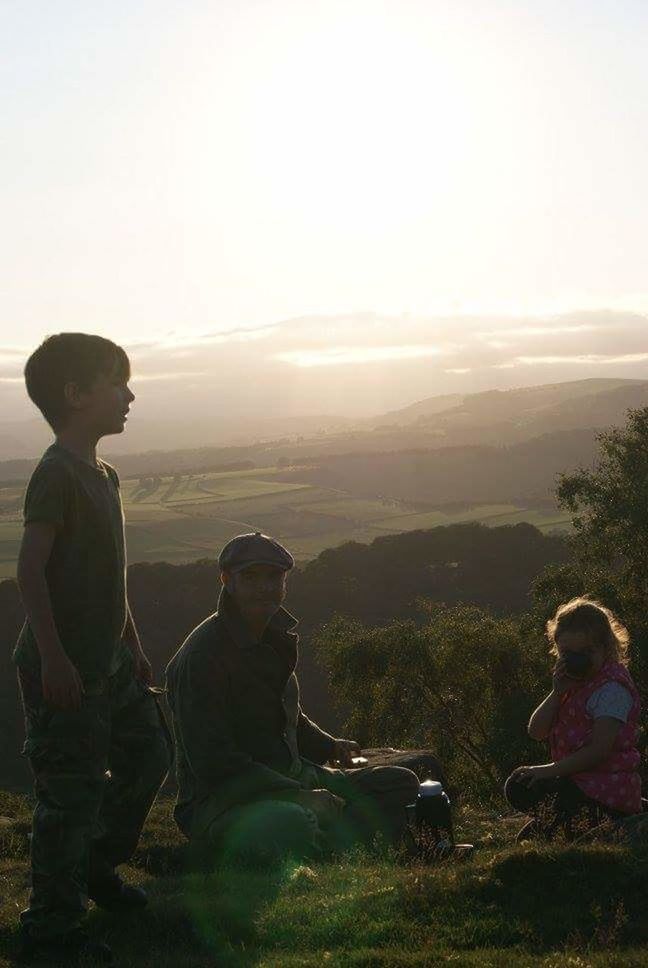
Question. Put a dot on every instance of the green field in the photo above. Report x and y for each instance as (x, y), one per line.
(182, 517)
(492, 514)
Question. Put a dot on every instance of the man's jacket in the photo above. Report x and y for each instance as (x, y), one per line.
(239, 728)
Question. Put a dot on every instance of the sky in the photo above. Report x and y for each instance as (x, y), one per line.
(361, 202)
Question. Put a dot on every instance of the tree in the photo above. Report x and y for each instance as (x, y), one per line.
(609, 549)
(609, 504)
(463, 683)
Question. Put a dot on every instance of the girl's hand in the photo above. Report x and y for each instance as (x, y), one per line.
(561, 681)
(529, 775)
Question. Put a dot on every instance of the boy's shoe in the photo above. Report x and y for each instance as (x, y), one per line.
(115, 895)
(72, 948)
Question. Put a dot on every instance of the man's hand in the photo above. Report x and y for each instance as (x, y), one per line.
(529, 775)
(61, 682)
(143, 670)
(326, 806)
(343, 752)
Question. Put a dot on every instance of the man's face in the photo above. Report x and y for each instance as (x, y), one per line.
(259, 590)
(105, 404)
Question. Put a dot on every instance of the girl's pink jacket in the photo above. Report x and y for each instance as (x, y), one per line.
(615, 782)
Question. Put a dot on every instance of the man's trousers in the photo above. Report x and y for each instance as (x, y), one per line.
(264, 830)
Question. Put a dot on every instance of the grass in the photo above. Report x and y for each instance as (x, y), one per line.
(187, 516)
(510, 907)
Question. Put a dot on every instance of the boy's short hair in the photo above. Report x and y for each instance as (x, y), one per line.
(70, 358)
(591, 618)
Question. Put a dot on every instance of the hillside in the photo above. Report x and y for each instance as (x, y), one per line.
(373, 583)
(24, 439)
(520, 476)
(509, 416)
(417, 412)
(497, 417)
(509, 907)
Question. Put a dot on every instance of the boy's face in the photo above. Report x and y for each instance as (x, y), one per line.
(104, 405)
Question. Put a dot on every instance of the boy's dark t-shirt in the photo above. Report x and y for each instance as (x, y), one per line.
(86, 572)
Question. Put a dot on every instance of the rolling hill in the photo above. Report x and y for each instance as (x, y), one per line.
(509, 416)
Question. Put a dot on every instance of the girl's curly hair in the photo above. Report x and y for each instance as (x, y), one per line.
(593, 619)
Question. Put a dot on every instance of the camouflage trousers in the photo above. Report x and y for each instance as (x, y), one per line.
(97, 771)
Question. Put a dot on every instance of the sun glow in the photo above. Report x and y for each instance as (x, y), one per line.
(364, 149)
(280, 159)
(357, 124)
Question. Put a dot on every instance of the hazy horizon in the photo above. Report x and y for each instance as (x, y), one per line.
(325, 209)
(358, 365)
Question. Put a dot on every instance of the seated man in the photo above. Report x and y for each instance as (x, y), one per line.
(249, 762)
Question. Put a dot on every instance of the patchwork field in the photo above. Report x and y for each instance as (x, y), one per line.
(183, 517)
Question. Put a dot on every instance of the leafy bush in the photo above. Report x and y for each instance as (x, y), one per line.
(462, 683)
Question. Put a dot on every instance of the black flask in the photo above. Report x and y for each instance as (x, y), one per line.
(433, 818)
(430, 824)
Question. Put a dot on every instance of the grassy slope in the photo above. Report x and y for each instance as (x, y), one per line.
(511, 907)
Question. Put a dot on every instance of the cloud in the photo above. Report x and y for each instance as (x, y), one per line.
(12, 362)
(355, 364)
(353, 359)
(338, 355)
(549, 329)
(171, 375)
(574, 339)
(469, 343)
(585, 359)
(497, 344)
(15, 351)
(175, 341)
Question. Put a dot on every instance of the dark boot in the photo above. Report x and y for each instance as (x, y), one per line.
(112, 894)
(72, 948)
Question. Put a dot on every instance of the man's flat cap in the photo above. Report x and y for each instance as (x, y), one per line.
(254, 549)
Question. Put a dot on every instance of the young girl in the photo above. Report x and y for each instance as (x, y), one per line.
(591, 719)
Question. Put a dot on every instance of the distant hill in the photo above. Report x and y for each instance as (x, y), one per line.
(520, 399)
(496, 417)
(509, 416)
(523, 473)
(24, 439)
(417, 412)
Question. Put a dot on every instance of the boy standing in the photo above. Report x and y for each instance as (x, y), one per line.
(97, 746)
